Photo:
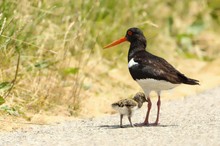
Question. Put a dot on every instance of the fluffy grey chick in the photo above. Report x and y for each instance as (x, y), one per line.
(128, 106)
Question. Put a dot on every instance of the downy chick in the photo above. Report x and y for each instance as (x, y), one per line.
(128, 106)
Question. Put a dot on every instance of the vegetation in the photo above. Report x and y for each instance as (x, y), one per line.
(51, 56)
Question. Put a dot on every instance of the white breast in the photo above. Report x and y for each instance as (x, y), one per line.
(155, 85)
(124, 110)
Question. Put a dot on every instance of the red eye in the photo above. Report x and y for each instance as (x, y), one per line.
(129, 32)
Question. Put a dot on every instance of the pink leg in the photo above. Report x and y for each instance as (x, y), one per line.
(158, 110)
(146, 121)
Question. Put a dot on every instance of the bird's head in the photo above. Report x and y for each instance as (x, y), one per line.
(132, 35)
(140, 99)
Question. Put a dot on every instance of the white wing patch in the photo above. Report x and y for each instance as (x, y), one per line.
(131, 63)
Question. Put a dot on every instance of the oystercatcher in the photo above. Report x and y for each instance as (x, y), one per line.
(151, 72)
(128, 106)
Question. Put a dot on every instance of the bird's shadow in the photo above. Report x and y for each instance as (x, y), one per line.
(114, 126)
(128, 126)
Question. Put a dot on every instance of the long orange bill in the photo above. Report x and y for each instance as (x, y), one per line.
(121, 40)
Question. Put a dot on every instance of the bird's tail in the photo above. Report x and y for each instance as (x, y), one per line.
(191, 81)
(187, 80)
(115, 105)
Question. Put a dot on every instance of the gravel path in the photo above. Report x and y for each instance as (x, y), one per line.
(192, 121)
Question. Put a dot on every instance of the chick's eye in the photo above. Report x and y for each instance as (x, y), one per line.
(129, 32)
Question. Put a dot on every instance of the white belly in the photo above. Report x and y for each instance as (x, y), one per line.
(155, 85)
(124, 110)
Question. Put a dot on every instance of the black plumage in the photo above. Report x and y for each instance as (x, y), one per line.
(153, 67)
(149, 65)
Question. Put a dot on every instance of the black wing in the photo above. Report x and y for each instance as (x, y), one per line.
(151, 66)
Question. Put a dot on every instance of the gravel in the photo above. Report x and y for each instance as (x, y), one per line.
(194, 120)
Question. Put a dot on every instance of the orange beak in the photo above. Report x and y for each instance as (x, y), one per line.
(121, 40)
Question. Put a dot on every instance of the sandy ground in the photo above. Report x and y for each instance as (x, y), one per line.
(194, 120)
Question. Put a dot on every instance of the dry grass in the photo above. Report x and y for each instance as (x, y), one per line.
(64, 71)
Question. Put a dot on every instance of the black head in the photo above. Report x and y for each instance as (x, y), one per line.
(135, 34)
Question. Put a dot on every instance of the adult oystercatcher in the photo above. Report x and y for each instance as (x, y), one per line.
(151, 72)
(128, 106)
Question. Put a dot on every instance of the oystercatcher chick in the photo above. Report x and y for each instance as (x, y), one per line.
(128, 106)
(149, 71)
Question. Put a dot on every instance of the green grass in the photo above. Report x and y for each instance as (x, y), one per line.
(57, 40)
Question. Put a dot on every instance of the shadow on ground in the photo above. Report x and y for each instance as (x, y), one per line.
(128, 126)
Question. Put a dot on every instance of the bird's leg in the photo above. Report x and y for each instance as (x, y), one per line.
(158, 110)
(129, 118)
(146, 121)
(121, 117)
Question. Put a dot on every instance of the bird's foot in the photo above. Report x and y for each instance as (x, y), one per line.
(146, 124)
(132, 125)
(154, 124)
(141, 124)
